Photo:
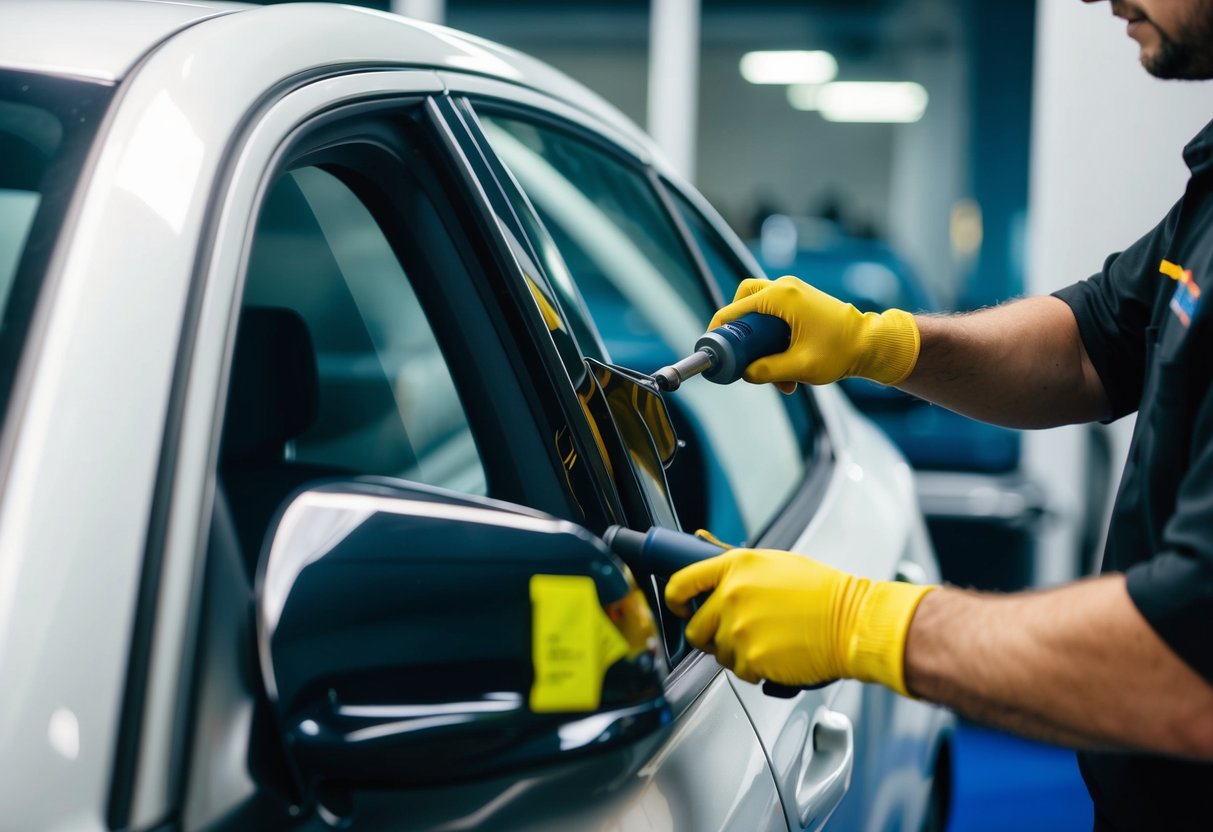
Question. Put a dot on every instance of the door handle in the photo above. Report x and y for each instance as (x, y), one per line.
(825, 772)
(909, 572)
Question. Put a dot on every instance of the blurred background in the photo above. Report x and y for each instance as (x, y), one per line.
(933, 155)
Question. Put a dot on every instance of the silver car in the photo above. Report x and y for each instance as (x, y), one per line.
(323, 360)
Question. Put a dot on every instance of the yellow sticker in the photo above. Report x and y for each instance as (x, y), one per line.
(573, 643)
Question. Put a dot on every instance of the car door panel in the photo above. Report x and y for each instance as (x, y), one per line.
(870, 489)
(895, 739)
(815, 776)
(708, 774)
(713, 770)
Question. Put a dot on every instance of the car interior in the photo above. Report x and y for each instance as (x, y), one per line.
(332, 363)
(336, 371)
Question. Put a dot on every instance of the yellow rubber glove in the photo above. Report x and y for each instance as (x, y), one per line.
(789, 619)
(704, 534)
(831, 340)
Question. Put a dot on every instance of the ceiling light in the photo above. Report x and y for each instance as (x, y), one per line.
(804, 96)
(788, 67)
(871, 101)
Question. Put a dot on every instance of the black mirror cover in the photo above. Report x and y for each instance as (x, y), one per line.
(410, 635)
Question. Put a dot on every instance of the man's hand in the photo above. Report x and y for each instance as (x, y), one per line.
(789, 619)
(831, 340)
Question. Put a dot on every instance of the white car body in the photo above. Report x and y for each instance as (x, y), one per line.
(133, 331)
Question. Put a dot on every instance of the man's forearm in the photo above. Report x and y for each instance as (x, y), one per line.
(1071, 666)
(1021, 365)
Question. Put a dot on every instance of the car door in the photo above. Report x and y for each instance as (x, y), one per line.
(755, 464)
(898, 741)
(369, 314)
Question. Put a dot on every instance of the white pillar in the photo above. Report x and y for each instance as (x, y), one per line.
(673, 80)
(432, 11)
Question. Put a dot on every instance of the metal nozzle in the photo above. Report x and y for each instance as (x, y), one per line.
(667, 379)
(671, 378)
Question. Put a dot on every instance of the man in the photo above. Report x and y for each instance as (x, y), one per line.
(1120, 665)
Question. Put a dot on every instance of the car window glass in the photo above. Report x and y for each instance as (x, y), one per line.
(728, 271)
(645, 295)
(386, 402)
(721, 262)
(17, 209)
(46, 126)
(30, 137)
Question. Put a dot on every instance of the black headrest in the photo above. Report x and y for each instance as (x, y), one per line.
(272, 397)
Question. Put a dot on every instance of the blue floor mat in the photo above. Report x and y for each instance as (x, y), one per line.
(1006, 783)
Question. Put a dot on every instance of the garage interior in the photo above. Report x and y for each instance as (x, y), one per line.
(992, 189)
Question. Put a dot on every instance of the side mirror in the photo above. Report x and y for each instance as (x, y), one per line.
(410, 635)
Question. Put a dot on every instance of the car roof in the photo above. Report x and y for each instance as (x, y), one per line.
(106, 39)
(99, 39)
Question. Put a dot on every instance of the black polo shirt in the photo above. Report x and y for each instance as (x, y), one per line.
(1147, 323)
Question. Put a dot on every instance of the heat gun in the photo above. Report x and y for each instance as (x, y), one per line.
(723, 354)
(663, 552)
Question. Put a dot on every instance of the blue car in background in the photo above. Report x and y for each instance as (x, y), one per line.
(970, 484)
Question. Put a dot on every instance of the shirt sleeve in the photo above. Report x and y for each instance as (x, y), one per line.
(1174, 589)
(1113, 309)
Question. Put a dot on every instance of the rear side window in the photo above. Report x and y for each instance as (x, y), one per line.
(644, 292)
(728, 271)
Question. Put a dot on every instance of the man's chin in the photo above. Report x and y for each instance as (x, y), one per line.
(1171, 74)
(1170, 67)
(1171, 61)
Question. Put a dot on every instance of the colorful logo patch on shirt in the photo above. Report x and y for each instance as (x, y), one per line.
(1187, 293)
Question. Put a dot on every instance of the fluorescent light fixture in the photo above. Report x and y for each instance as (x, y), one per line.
(897, 102)
(788, 67)
(804, 96)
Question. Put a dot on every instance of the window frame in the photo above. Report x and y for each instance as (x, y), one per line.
(349, 164)
(343, 144)
(492, 337)
(810, 428)
(691, 672)
(643, 170)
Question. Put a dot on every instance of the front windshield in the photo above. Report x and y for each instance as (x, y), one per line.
(46, 126)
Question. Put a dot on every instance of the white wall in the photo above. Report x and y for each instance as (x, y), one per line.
(1106, 166)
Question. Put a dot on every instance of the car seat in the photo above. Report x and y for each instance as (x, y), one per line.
(272, 398)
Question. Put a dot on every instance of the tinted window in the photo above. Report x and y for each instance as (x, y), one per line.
(386, 403)
(30, 137)
(46, 125)
(648, 301)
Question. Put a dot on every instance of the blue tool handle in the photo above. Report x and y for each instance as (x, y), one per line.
(737, 344)
(663, 552)
(666, 551)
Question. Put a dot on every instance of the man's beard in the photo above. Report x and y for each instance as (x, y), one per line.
(1191, 60)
